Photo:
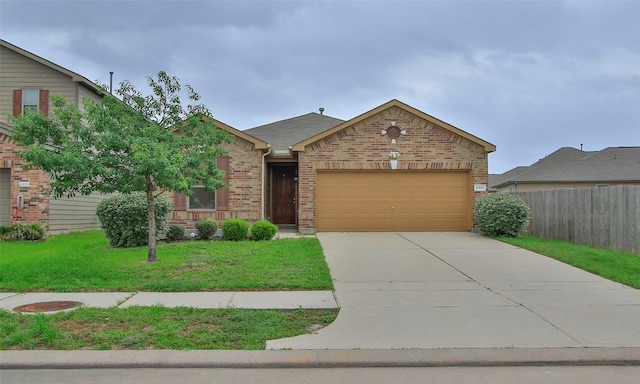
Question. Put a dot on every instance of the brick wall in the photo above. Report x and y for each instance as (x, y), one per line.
(36, 201)
(245, 176)
(425, 146)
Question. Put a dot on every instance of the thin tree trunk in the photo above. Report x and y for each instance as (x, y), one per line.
(152, 222)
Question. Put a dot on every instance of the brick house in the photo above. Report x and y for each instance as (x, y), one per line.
(26, 81)
(391, 168)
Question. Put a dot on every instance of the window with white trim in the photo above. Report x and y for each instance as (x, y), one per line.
(30, 100)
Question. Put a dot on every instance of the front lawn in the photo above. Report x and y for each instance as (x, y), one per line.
(83, 261)
(617, 266)
(156, 328)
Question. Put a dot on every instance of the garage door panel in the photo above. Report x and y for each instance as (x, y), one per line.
(393, 200)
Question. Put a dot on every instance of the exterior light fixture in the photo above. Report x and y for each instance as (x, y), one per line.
(393, 161)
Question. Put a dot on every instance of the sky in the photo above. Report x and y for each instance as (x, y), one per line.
(528, 76)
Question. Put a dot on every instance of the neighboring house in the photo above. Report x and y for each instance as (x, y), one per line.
(393, 168)
(572, 168)
(26, 82)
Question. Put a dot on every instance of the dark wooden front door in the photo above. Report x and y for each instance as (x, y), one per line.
(284, 195)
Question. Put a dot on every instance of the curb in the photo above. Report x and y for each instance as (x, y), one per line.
(462, 357)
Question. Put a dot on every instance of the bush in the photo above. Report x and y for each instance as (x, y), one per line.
(206, 229)
(175, 233)
(125, 222)
(501, 214)
(235, 229)
(263, 230)
(22, 232)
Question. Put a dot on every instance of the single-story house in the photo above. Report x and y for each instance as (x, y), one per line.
(26, 81)
(393, 168)
(573, 168)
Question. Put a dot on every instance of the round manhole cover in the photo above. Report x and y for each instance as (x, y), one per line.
(47, 306)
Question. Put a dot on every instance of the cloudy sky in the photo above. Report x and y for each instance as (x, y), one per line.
(527, 76)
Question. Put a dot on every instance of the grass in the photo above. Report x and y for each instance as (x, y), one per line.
(621, 267)
(155, 328)
(83, 261)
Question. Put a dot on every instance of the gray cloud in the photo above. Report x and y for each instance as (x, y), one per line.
(528, 76)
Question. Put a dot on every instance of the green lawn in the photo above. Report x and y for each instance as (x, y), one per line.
(617, 266)
(156, 328)
(83, 261)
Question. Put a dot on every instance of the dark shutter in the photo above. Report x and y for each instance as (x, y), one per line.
(222, 195)
(179, 201)
(44, 102)
(17, 102)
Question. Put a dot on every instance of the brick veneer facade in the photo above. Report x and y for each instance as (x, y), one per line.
(36, 201)
(426, 146)
(245, 194)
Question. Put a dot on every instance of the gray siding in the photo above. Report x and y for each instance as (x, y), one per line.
(74, 214)
(19, 72)
(5, 197)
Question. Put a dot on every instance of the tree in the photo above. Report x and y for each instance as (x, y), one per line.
(139, 143)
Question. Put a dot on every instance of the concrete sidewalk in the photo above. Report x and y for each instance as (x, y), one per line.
(284, 300)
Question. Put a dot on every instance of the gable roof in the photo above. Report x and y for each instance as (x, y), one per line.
(73, 75)
(257, 143)
(394, 103)
(284, 134)
(612, 164)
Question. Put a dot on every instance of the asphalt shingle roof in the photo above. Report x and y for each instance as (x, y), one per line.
(283, 134)
(572, 165)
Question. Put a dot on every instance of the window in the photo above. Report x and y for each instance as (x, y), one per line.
(30, 100)
(201, 199)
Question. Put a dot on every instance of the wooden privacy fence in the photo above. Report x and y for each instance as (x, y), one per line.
(605, 217)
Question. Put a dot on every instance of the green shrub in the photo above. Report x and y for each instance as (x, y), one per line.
(125, 221)
(5, 230)
(206, 229)
(22, 232)
(175, 233)
(263, 230)
(235, 229)
(501, 214)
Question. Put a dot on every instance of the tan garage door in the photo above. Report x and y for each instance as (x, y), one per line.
(393, 201)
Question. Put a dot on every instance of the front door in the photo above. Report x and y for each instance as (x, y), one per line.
(283, 201)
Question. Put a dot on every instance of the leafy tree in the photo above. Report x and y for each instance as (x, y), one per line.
(138, 143)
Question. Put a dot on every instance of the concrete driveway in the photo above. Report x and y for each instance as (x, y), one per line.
(463, 290)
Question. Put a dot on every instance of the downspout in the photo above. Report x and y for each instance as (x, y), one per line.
(264, 178)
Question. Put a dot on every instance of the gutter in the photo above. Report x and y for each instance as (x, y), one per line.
(264, 167)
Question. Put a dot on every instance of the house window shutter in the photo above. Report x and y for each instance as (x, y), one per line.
(222, 195)
(17, 102)
(44, 102)
(179, 201)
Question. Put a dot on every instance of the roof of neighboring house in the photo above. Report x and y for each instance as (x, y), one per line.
(568, 164)
(285, 133)
(74, 76)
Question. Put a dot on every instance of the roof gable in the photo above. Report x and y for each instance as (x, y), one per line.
(73, 75)
(300, 146)
(257, 143)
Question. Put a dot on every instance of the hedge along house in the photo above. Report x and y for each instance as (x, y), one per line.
(26, 82)
(393, 168)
